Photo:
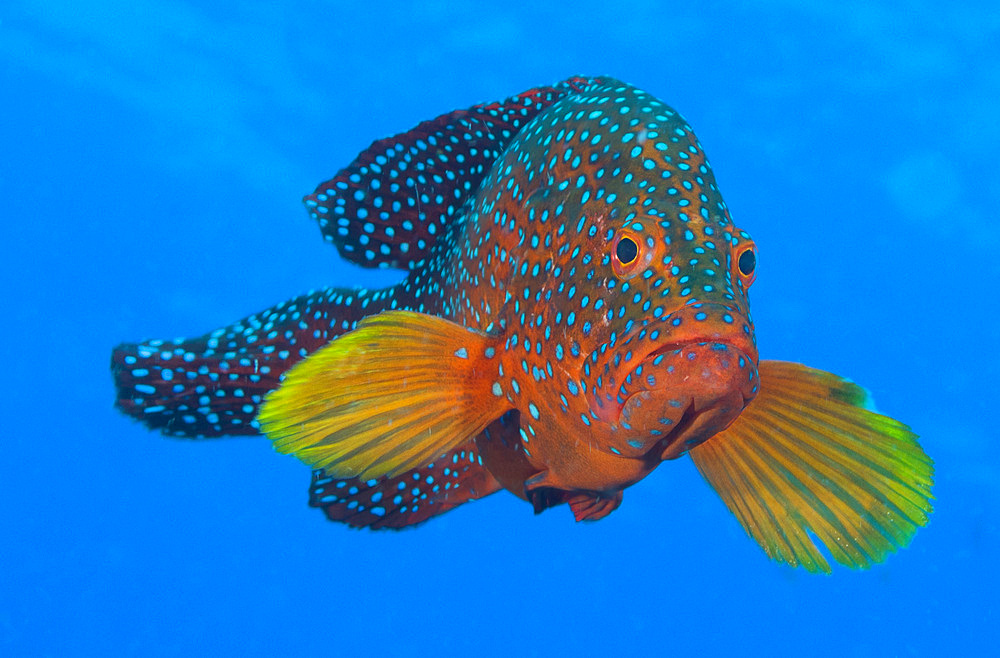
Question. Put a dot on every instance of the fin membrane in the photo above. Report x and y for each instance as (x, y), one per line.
(393, 395)
(408, 498)
(807, 460)
(212, 385)
(593, 507)
(387, 207)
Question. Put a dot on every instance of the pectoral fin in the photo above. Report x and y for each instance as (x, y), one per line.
(807, 460)
(399, 391)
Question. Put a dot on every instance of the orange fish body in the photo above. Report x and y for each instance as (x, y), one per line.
(576, 312)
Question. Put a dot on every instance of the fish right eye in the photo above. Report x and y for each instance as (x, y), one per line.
(628, 254)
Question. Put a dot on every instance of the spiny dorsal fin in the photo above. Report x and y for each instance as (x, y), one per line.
(387, 207)
(396, 393)
(807, 458)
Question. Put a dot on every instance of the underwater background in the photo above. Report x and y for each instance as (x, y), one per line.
(152, 160)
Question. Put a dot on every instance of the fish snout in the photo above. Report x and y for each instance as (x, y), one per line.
(710, 322)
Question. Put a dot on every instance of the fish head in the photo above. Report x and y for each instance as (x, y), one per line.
(680, 361)
(629, 278)
(673, 360)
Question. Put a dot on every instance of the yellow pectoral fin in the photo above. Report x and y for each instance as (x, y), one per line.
(400, 390)
(807, 458)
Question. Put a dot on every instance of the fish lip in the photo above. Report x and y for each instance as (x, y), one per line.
(674, 337)
(672, 445)
(746, 351)
(738, 346)
(679, 337)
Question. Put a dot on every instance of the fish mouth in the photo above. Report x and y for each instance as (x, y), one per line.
(686, 328)
(683, 393)
(677, 387)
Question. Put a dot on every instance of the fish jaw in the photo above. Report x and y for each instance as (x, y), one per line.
(684, 395)
(675, 382)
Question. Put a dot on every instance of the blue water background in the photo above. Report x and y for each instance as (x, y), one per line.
(152, 160)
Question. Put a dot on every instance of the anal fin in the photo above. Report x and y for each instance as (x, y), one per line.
(406, 499)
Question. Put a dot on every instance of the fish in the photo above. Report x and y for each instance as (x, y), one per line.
(575, 311)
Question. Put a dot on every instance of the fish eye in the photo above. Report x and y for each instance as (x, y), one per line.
(626, 250)
(746, 264)
(628, 254)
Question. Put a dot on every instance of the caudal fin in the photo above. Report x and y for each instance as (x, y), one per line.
(212, 385)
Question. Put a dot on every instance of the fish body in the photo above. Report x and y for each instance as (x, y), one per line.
(576, 312)
(591, 342)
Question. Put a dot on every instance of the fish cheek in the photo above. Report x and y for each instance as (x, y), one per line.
(652, 423)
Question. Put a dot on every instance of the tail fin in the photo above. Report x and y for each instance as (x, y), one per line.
(212, 385)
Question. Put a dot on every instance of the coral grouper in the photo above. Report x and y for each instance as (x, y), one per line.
(575, 313)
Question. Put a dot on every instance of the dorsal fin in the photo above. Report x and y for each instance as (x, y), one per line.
(386, 208)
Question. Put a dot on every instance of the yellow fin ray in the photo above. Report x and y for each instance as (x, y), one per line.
(400, 390)
(807, 459)
(845, 455)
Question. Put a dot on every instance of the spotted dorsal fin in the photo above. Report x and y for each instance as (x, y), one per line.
(386, 208)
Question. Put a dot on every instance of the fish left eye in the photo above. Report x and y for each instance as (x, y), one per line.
(746, 264)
